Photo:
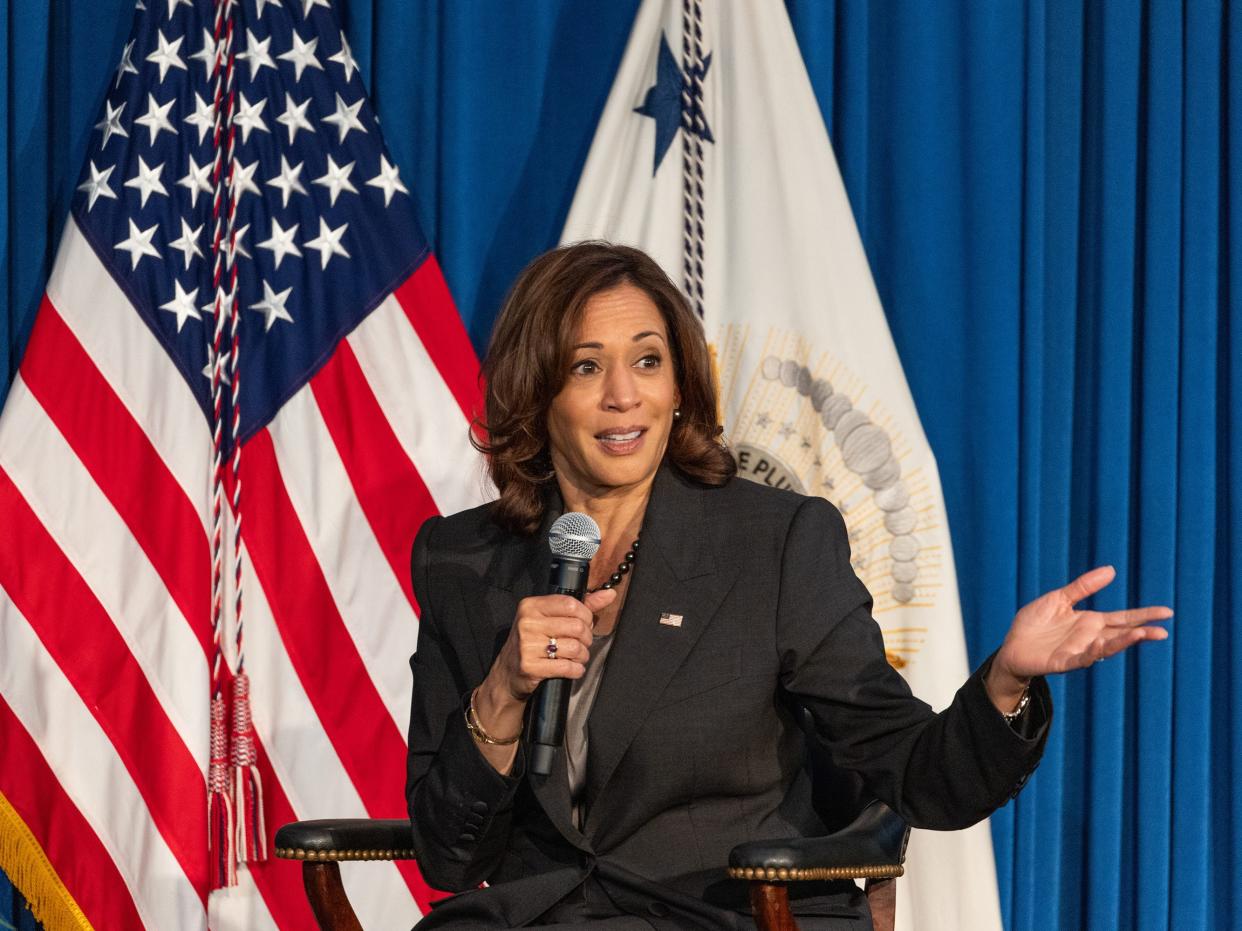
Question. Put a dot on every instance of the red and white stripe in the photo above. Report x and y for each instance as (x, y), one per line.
(105, 587)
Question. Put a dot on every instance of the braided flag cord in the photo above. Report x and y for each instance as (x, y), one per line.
(238, 223)
(221, 798)
(694, 127)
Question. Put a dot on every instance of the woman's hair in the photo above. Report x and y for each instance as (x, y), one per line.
(528, 362)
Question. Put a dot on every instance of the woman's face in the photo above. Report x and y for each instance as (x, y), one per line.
(610, 423)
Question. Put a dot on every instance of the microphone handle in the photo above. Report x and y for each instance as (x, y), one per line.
(547, 726)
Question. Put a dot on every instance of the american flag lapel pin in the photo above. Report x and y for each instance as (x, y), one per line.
(670, 620)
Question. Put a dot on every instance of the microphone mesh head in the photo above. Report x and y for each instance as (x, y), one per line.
(574, 535)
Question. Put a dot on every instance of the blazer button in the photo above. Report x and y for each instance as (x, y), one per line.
(658, 910)
(466, 837)
(479, 808)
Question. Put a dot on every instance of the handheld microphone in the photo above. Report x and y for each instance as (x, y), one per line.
(573, 539)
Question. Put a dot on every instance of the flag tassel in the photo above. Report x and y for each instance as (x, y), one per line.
(247, 784)
(221, 827)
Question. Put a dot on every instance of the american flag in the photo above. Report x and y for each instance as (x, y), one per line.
(237, 175)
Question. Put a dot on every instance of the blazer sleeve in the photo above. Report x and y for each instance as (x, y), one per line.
(460, 805)
(943, 771)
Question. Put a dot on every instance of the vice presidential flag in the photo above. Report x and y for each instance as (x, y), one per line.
(244, 321)
(712, 156)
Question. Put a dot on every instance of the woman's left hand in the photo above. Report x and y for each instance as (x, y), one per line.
(1051, 635)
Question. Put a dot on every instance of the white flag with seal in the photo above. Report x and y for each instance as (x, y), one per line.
(712, 156)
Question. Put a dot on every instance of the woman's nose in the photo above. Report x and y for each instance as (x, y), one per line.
(620, 389)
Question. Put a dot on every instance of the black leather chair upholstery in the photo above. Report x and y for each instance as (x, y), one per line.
(868, 841)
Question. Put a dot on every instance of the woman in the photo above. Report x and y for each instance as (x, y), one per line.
(741, 601)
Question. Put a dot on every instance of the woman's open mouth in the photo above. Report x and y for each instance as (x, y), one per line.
(621, 442)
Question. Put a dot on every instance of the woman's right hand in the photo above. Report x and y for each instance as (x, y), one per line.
(523, 660)
(522, 663)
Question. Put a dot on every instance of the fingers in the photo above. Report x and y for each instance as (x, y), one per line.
(1123, 640)
(540, 621)
(1135, 617)
(550, 606)
(1089, 583)
(537, 661)
(536, 632)
(1112, 642)
(597, 601)
(554, 616)
(544, 668)
(569, 648)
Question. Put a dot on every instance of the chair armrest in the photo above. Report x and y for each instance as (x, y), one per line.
(346, 839)
(872, 846)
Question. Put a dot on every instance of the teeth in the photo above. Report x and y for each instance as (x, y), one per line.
(621, 437)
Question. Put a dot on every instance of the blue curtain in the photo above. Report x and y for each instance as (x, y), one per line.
(1046, 192)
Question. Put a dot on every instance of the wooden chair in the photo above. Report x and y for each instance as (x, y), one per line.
(872, 847)
(868, 842)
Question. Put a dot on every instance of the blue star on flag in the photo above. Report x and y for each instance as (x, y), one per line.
(663, 102)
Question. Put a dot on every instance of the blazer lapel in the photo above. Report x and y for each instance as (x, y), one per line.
(675, 573)
(489, 600)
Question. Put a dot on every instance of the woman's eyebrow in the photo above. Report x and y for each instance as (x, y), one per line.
(635, 338)
(645, 333)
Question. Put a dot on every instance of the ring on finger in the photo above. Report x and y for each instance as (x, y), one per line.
(551, 648)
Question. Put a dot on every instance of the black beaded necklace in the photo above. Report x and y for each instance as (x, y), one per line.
(623, 568)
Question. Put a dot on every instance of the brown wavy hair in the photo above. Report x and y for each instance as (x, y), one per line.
(528, 362)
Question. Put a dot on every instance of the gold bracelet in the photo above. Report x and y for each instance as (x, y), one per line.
(482, 736)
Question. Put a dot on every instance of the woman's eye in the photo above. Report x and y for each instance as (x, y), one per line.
(649, 361)
(585, 367)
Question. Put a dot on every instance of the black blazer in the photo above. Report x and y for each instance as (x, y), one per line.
(692, 747)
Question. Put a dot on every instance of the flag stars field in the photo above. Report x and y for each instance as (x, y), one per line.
(346, 117)
(345, 58)
(235, 245)
(281, 243)
(156, 118)
(249, 116)
(182, 304)
(328, 242)
(111, 123)
(138, 243)
(96, 185)
(127, 64)
(227, 298)
(197, 180)
(203, 118)
(388, 180)
(256, 54)
(208, 54)
(187, 243)
(241, 182)
(294, 117)
(297, 167)
(273, 305)
(302, 55)
(287, 181)
(336, 179)
(147, 180)
(166, 56)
